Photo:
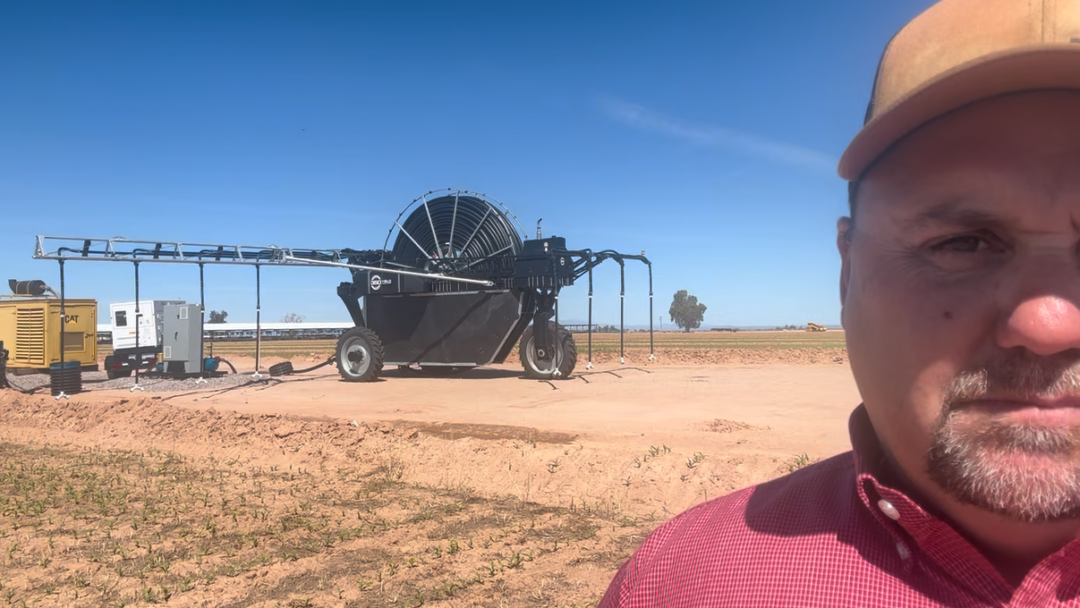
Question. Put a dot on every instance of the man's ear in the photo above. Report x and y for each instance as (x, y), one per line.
(844, 232)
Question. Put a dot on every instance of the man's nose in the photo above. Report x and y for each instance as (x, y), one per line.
(1044, 324)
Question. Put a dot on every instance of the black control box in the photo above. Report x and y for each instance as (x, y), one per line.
(544, 258)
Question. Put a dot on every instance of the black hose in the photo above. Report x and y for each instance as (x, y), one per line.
(226, 362)
(329, 361)
(215, 392)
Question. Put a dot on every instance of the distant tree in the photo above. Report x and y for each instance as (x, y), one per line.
(686, 312)
(292, 317)
(217, 317)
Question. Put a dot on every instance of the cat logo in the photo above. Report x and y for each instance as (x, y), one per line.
(71, 318)
(377, 282)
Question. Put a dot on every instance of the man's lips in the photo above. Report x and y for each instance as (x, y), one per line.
(1032, 407)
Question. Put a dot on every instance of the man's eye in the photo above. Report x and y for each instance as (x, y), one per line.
(968, 243)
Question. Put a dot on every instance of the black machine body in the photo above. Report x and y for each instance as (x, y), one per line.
(460, 286)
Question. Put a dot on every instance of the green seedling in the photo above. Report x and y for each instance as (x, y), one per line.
(798, 462)
(695, 460)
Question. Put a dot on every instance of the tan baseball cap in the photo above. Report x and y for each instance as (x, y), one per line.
(959, 52)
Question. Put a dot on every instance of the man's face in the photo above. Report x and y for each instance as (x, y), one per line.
(961, 302)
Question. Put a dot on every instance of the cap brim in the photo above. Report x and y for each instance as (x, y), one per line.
(1031, 68)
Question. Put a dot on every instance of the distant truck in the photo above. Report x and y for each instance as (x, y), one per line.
(126, 352)
(816, 327)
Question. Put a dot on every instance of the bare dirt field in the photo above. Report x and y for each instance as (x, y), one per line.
(473, 489)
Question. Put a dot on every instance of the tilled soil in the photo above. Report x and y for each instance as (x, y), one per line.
(476, 490)
(341, 524)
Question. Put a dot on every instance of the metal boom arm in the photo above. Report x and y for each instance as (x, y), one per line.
(119, 249)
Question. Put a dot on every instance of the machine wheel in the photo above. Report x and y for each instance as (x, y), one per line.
(359, 355)
(113, 375)
(563, 361)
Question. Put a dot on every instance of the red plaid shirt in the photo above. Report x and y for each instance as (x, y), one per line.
(832, 534)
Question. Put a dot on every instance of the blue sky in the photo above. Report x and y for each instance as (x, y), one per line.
(705, 133)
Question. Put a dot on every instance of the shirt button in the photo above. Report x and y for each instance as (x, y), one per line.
(902, 549)
(888, 509)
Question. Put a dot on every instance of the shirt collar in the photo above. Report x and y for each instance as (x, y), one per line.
(870, 458)
(872, 465)
(912, 521)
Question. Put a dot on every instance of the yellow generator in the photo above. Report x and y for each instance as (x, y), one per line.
(30, 331)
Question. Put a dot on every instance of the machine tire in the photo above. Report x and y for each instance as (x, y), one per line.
(359, 355)
(564, 361)
(281, 369)
(113, 375)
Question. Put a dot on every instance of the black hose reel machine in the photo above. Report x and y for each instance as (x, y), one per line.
(459, 288)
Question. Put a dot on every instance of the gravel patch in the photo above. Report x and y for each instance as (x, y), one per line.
(97, 381)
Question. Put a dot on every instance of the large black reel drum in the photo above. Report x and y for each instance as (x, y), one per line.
(453, 233)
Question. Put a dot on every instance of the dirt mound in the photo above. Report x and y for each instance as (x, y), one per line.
(147, 422)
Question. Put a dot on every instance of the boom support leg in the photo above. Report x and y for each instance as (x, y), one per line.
(258, 320)
(138, 321)
(588, 363)
(63, 322)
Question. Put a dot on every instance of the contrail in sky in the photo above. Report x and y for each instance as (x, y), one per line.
(645, 119)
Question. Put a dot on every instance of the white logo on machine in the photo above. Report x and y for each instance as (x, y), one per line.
(377, 282)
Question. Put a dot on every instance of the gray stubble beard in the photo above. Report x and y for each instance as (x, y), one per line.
(1025, 472)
